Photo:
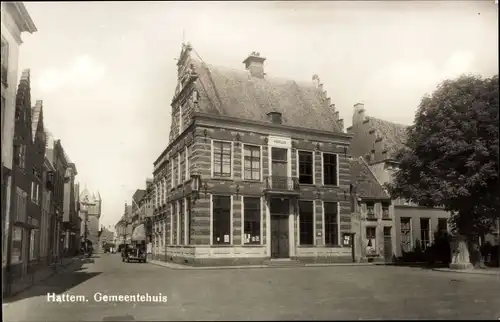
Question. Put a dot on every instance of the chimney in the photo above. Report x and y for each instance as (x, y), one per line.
(255, 64)
(359, 113)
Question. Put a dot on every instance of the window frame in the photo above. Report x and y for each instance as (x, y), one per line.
(428, 231)
(323, 172)
(213, 221)
(259, 162)
(217, 175)
(337, 241)
(244, 209)
(312, 223)
(313, 163)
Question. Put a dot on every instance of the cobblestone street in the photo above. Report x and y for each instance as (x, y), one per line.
(355, 292)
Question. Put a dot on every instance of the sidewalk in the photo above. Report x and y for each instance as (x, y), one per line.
(492, 271)
(42, 274)
(186, 267)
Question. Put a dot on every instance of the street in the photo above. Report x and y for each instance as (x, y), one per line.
(348, 292)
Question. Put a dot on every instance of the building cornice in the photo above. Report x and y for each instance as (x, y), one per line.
(24, 20)
(227, 121)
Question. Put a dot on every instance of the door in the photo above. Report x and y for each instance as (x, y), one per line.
(387, 244)
(279, 168)
(279, 236)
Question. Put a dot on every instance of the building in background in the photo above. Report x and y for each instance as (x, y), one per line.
(57, 158)
(106, 237)
(14, 21)
(378, 141)
(256, 169)
(372, 218)
(90, 214)
(46, 228)
(71, 220)
(27, 184)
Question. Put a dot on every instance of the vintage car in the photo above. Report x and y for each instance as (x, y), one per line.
(133, 253)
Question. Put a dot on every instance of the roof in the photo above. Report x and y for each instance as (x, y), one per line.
(393, 134)
(235, 93)
(364, 181)
(25, 22)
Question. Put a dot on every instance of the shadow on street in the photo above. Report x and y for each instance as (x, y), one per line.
(58, 283)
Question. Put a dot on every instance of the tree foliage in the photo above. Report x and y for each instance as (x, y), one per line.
(451, 155)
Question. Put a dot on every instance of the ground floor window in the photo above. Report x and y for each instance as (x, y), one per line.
(331, 223)
(221, 221)
(181, 223)
(17, 245)
(406, 238)
(442, 224)
(33, 244)
(306, 222)
(188, 221)
(252, 217)
(371, 240)
(425, 233)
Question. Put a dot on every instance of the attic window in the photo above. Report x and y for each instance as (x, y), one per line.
(275, 117)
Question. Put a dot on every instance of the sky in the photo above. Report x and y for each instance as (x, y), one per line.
(106, 71)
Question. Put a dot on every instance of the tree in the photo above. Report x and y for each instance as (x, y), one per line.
(451, 155)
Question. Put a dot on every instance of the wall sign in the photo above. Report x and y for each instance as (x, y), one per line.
(280, 142)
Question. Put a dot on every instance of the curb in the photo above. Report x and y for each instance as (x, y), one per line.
(471, 272)
(181, 267)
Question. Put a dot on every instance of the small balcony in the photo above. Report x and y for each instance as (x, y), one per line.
(281, 185)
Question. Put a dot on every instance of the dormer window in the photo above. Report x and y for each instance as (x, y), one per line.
(275, 117)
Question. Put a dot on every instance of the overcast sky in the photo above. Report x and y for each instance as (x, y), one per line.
(106, 70)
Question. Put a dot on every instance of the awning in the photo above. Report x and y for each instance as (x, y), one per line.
(139, 233)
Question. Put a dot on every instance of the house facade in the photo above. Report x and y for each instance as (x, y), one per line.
(57, 157)
(14, 21)
(372, 219)
(70, 219)
(244, 180)
(27, 183)
(377, 142)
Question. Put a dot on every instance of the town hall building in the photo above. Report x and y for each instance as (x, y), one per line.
(256, 169)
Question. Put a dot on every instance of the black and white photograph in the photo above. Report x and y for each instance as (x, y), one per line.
(250, 160)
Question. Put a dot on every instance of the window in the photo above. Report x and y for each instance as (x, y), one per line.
(330, 169)
(221, 220)
(331, 223)
(251, 162)
(370, 209)
(175, 173)
(306, 222)
(306, 167)
(20, 155)
(222, 159)
(179, 170)
(33, 243)
(385, 210)
(188, 221)
(21, 197)
(425, 233)
(17, 245)
(181, 223)
(182, 161)
(172, 173)
(3, 111)
(173, 221)
(181, 127)
(35, 192)
(251, 217)
(442, 224)
(188, 162)
(406, 236)
(371, 241)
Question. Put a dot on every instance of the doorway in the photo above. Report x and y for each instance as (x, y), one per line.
(387, 244)
(280, 211)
